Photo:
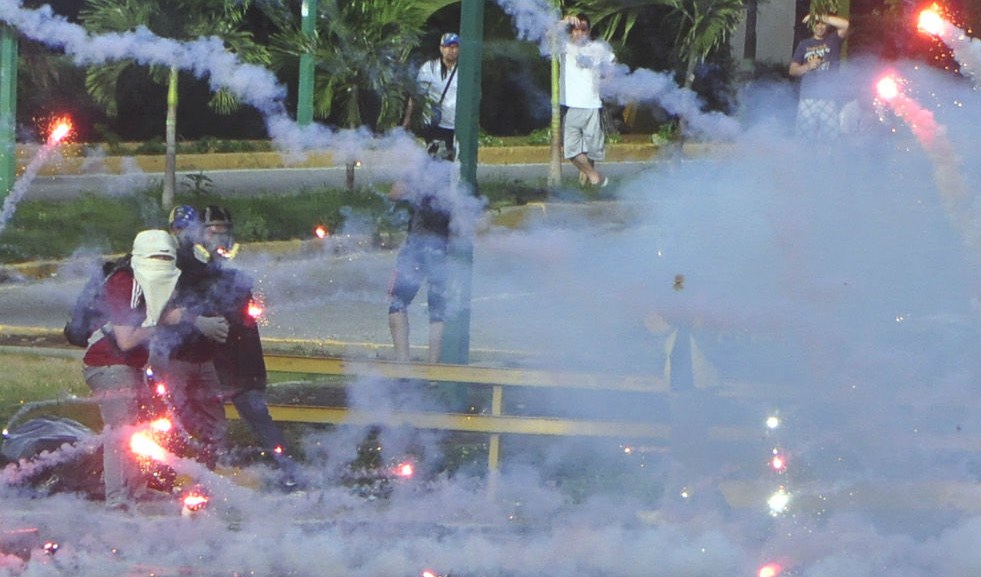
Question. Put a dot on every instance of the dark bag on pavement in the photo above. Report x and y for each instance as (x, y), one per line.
(89, 313)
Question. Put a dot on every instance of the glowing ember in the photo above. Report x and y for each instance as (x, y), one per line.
(887, 88)
(255, 309)
(428, 573)
(60, 129)
(778, 501)
(162, 425)
(931, 21)
(405, 470)
(141, 444)
(770, 570)
(320, 231)
(278, 450)
(161, 389)
(195, 501)
(778, 463)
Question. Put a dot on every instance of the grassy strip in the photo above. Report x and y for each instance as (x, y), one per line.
(54, 230)
(29, 377)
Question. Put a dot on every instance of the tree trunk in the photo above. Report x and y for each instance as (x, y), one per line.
(749, 43)
(349, 175)
(170, 163)
(555, 164)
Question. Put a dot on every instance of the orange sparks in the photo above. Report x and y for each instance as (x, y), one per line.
(60, 129)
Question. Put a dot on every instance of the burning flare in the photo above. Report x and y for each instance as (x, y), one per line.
(143, 445)
(60, 128)
(931, 21)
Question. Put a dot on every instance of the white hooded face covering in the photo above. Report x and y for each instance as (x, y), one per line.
(154, 265)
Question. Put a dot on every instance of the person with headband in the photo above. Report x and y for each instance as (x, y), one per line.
(815, 62)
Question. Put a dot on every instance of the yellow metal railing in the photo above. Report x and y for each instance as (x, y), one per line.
(494, 424)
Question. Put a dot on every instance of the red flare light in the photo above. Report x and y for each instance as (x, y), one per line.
(279, 450)
(778, 462)
(405, 470)
(161, 389)
(931, 22)
(144, 446)
(770, 570)
(428, 573)
(254, 309)
(320, 231)
(195, 501)
(887, 88)
(60, 129)
(162, 425)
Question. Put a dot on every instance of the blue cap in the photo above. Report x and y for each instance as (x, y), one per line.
(449, 38)
(182, 216)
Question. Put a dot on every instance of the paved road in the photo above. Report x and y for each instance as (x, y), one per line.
(335, 292)
(278, 179)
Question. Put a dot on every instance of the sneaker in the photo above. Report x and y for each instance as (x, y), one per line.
(604, 183)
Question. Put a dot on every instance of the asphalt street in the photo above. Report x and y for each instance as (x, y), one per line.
(243, 181)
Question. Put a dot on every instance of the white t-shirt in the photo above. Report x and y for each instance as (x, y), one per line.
(432, 82)
(580, 73)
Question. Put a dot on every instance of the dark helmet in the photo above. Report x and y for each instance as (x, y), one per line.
(218, 239)
(182, 216)
(214, 214)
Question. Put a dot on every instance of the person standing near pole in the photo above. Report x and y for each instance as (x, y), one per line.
(437, 79)
(581, 70)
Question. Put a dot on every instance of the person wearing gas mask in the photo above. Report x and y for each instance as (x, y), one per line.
(182, 355)
(239, 359)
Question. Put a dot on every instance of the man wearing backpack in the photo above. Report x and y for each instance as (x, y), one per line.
(133, 299)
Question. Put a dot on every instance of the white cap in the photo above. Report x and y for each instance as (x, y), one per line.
(150, 243)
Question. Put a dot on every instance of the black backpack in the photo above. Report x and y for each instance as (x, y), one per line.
(89, 313)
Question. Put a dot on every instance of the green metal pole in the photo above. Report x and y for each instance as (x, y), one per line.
(8, 109)
(304, 98)
(456, 332)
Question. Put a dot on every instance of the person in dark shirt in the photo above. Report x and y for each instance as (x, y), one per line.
(815, 62)
(423, 257)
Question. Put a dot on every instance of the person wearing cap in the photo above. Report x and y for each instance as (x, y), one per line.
(135, 298)
(581, 69)
(437, 80)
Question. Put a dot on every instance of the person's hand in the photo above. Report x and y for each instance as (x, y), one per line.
(213, 328)
(172, 317)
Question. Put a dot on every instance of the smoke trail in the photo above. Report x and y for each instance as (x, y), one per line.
(967, 50)
(535, 20)
(945, 158)
(20, 187)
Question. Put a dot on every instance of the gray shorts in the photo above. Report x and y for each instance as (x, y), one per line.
(582, 133)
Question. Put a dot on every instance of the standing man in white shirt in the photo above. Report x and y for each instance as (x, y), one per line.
(583, 63)
(438, 79)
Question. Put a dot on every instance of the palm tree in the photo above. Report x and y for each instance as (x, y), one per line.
(361, 51)
(181, 20)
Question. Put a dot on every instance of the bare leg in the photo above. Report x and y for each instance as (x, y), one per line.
(585, 166)
(398, 323)
(435, 341)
